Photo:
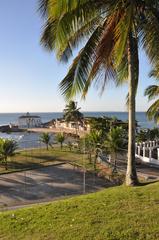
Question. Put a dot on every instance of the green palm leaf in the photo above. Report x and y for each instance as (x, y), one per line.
(76, 79)
(153, 112)
(152, 92)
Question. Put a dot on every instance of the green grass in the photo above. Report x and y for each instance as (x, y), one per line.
(119, 213)
(41, 157)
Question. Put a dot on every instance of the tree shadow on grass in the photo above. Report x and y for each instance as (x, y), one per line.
(140, 184)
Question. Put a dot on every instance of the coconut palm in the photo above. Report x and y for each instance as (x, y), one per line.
(142, 136)
(46, 138)
(72, 113)
(153, 93)
(7, 149)
(60, 138)
(115, 143)
(92, 143)
(110, 32)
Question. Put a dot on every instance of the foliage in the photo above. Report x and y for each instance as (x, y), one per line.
(116, 142)
(152, 92)
(70, 145)
(105, 28)
(7, 149)
(46, 139)
(91, 144)
(142, 136)
(72, 113)
(149, 135)
(100, 124)
(60, 137)
(104, 124)
(111, 33)
(114, 213)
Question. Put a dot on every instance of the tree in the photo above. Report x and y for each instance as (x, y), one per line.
(72, 113)
(46, 138)
(153, 92)
(110, 32)
(100, 124)
(60, 138)
(70, 145)
(91, 144)
(142, 136)
(115, 143)
(148, 135)
(7, 149)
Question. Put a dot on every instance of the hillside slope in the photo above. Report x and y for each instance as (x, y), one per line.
(116, 213)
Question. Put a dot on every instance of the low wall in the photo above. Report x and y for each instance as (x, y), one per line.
(148, 160)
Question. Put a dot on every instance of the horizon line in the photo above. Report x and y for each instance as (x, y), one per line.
(81, 111)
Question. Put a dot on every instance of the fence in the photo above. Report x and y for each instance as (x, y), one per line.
(148, 151)
(39, 175)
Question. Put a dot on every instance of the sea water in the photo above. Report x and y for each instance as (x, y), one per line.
(7, 118)
(29, 140)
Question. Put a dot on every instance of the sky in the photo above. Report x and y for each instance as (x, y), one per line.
(29, 75)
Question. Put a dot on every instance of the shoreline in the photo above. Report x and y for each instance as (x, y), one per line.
(57, 130)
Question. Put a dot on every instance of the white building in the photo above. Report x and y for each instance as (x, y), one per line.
(81, 126)
(29, 121)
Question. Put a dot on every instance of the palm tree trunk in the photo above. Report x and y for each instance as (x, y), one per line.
(131, 175)
(90, 157)
(6, 163)
(115, 162)
(76, 129)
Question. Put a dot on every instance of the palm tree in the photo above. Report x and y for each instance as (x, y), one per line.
(70, 145)
(115, 143)
(7, 149)
(153, 92)
(87, 146)
(72, 113)
(46, 138)
(110, 31)
(142, 136)
(60, 138)
(92, 143)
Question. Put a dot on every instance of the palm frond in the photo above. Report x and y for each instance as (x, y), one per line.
(150, 36)
(43, 6)
(153, 112)
(104, 53)
(154, 73)
(65, 33)
(122, 71)
(152, 92)
(122, 29)
(76, 80)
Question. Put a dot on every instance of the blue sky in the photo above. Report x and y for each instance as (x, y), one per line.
(29, 76)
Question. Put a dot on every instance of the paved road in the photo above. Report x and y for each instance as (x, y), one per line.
(146, 170)
(45, 184)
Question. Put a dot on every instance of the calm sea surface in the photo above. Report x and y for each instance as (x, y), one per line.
(30, 140)
(6, 118)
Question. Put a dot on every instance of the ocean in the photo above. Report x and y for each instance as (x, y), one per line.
(7, 118)
(31, 140)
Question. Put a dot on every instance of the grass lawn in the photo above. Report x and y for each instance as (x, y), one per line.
(119, 213)
(41, 157)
